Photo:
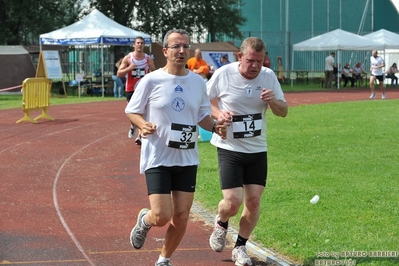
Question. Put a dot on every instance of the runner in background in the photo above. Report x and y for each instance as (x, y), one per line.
(134, 66)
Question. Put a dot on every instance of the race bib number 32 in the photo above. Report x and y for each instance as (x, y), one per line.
(182, 136)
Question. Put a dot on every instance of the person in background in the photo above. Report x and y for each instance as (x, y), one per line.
(134, 66)
(391, 74)
(202, 72)
(167, 106)
(329, 68)
(376, 63)
(240, 93)
(358, 73)
(118, 83)
(224, 60)
(346, 75)
(266, 61)
(194, 63)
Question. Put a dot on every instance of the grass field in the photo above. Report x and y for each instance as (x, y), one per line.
(347, 153)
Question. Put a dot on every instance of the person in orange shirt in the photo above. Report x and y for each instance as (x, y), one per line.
(194, 63)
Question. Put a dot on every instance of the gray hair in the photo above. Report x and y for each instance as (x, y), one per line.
(255, 43)
(180, 31)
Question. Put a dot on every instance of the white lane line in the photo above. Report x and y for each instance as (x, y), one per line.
(57, 207)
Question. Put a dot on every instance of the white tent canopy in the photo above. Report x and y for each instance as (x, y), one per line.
(336, 40)
(95, 28)
(388, 39)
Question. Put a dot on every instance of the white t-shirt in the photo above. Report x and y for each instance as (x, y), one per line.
(330, 63)
(376, 61)
(175, 104)
(242, 96)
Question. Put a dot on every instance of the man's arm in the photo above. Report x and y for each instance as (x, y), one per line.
(125, 67)
(145, 127)
(278, 107)
(151, 64)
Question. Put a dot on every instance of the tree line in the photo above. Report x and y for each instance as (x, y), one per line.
(22, 21)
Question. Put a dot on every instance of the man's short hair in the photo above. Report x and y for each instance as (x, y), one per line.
(225, 56)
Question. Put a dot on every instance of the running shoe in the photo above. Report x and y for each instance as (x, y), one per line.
(131, 132)
(138, 140)
(139, 232)
(217, 241)
(240, 257)
(164, 263)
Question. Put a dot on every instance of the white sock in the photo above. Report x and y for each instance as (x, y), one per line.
(145, 224)
(162, 259)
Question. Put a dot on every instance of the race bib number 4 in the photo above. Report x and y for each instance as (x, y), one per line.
(247, 126)
(182, 136)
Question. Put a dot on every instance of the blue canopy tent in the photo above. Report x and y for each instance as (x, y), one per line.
(94, 29)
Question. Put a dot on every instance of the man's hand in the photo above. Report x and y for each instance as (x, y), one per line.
(148, 128)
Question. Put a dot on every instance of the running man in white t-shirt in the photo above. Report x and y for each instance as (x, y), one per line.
(376, 65)
(242, 92)
(167, 105)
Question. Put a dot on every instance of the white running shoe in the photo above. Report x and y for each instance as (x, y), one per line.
(383, 96)
(131, 132)
(240, 257)
(372, 96)
(217, 241)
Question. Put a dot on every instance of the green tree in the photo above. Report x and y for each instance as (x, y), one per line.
(119, 11)
(22, 21)
(195, 16)
(156, 17)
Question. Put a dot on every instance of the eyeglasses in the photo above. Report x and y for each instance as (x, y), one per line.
(177, 47)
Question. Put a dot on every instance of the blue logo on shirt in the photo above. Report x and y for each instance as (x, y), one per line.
(178, 89)
(178, 104)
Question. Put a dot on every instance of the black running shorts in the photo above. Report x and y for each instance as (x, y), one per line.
(162, 180)
(237, 169)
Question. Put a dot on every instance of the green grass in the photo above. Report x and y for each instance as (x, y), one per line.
(347, 153)
(8, 101)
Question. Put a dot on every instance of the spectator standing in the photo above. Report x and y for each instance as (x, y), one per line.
(118, 83)
(241, 92)
(329, 67)
(376, 65)
(134, 66)
(266, 61)
(346, 75)
(167, 106)
(391, 74)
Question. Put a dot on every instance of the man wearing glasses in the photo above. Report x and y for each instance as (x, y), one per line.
(167, 106)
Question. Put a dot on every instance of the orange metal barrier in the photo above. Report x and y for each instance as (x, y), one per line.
(35, 96)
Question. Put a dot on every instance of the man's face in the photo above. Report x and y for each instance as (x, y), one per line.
(198, 54)
(178, 49)
(138, 45)
(251, 63)
(375, 53)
